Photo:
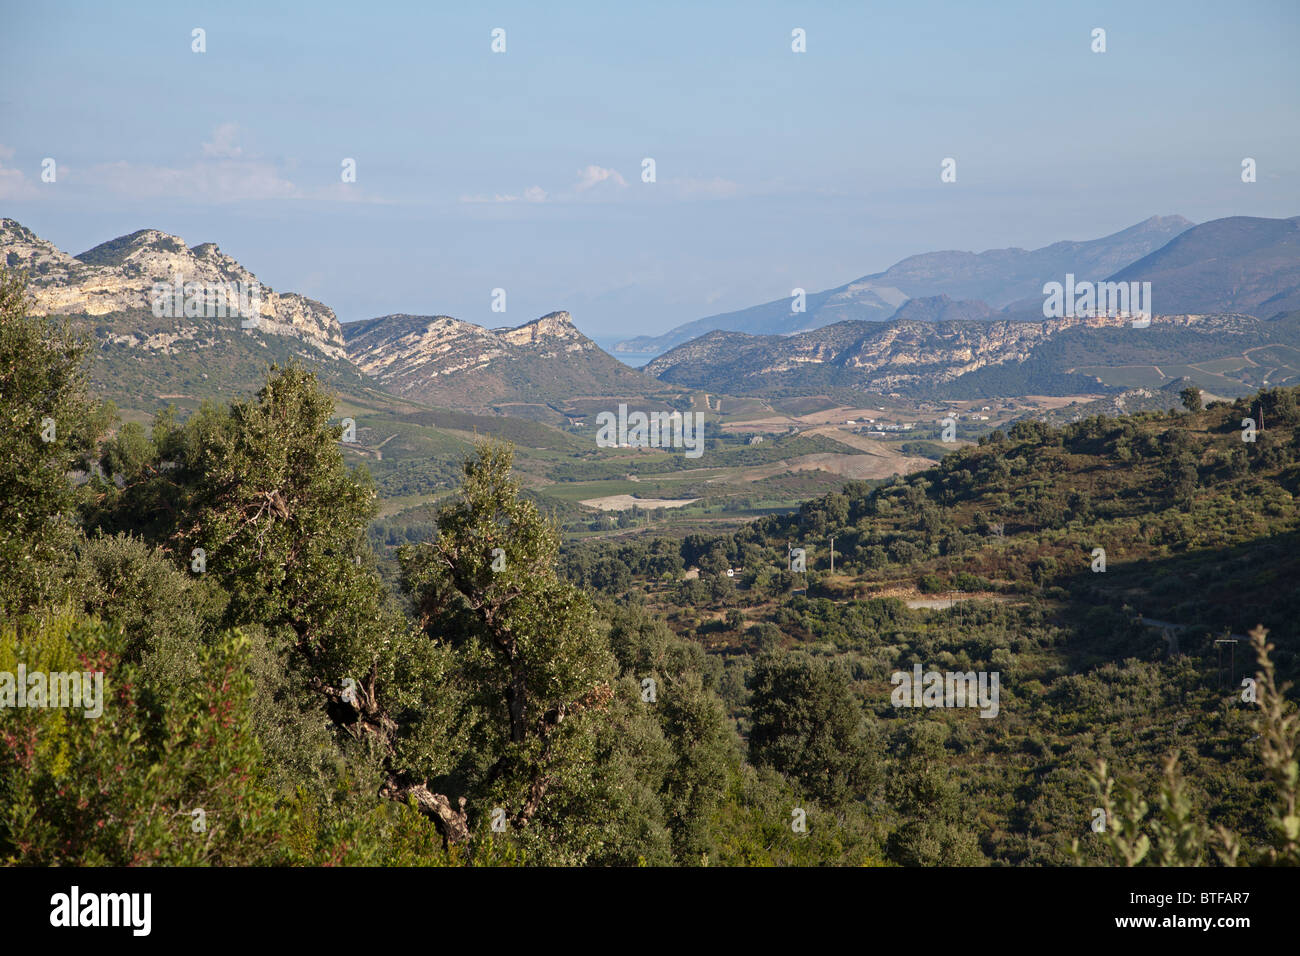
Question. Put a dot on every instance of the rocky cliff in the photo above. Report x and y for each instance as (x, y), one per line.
(912, 356)
(443, 360)
(118, 277)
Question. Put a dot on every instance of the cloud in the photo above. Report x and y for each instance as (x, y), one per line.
(531, 194)
(13, 184)
(598, 184)
(223, 180)
(588, 179)
(224, 145)
(595, 175)
(223, 174)
(345, 192)
(715, 188)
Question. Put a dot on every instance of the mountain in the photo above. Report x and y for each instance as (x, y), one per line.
(118, 276)
(189, 349)
(959, 359)
(1238, 264)
(998, 277)
(142, 360)
(941, 308)
(445, 361)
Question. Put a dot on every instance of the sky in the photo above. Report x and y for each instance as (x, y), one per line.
(522, 170)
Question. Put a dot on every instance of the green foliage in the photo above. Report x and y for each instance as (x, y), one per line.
(325, 705)
(807, 725)
(937, 831)
(49, 426)
(122, 789)
(282, 523)
(538, 674)
(1177, 836)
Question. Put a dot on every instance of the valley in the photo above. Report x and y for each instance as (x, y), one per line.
(785, 417)
(618, 442)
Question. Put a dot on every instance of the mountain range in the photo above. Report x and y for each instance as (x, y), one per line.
(1226, 293)
(998, 277)
(962, 359)
(542, 369)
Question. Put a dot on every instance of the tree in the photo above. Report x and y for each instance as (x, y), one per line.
(537, 672)
(1191, 397)
(1176, 837)
(935, 831)
(1182, 477)
(698, 753)
(282, 524)
(808, 726)
(49, 425)
(262, 504)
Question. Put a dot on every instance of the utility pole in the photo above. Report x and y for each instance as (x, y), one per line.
(1232, 660)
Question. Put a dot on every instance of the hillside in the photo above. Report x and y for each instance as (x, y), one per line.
(1128, 402)
(143, 360)
(1239, 264)
(1065, 356)
(941, 308)
(546, 363)
(196, 347)
(997, 277)
(987, 562)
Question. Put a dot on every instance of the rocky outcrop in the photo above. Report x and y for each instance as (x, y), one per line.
(119, 276)
(901, 356)
(443, 360)
(555, 330)
(395, 347)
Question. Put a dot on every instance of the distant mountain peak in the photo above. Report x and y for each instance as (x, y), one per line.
(998, 277)
(1235, 264)
(1159, 221)
(553, 325)
(119, 251)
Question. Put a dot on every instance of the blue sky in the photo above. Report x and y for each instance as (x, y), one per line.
(522, 170)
